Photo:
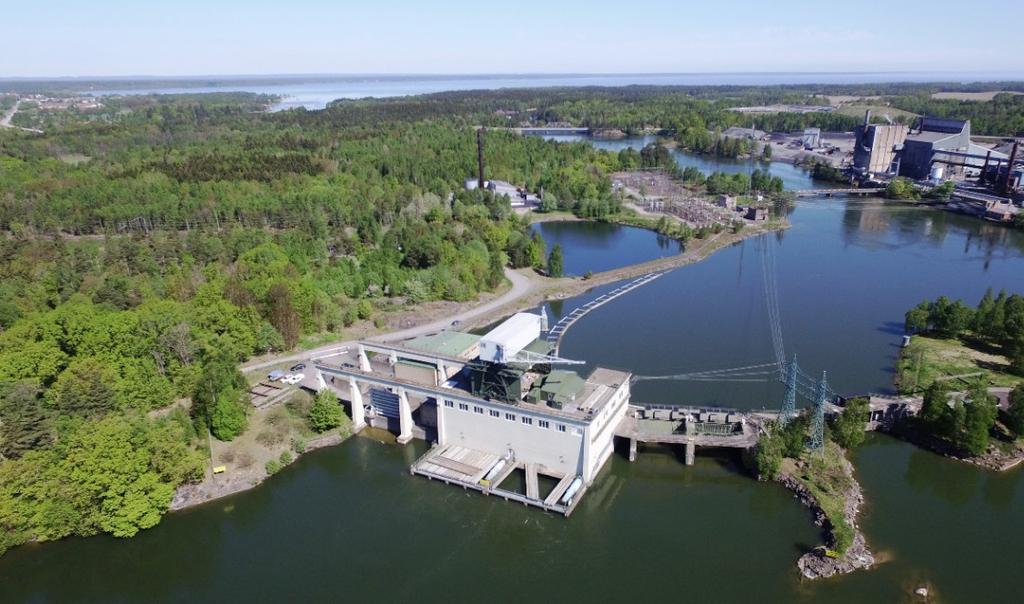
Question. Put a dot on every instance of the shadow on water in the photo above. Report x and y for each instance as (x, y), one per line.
(948, 480)
(892, 328)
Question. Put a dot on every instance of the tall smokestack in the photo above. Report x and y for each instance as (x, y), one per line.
(480, 158)
(867, 117)
(1009, 167)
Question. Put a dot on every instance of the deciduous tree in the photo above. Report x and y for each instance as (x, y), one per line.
(555, 261)
(848, 427)
(325, 413)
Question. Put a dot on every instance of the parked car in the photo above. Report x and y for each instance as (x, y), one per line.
(293, 378)
(298, 367)
(275, 375)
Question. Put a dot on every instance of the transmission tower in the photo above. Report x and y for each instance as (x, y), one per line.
(818, 423)
(789, 402)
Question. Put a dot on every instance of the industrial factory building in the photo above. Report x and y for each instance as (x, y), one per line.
(933, 136)
(933, 148)
(811, 138)
(877, 147)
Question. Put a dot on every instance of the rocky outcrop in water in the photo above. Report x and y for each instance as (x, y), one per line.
(818, 563)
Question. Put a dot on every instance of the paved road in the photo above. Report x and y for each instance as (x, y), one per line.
(521, 286)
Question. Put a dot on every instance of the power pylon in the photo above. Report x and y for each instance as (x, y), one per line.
(789, 402)
(818, 424)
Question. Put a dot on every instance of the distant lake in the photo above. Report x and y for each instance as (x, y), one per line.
(315, 92)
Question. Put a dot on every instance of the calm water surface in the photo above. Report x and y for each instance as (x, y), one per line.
(596, 246)
(350, 523)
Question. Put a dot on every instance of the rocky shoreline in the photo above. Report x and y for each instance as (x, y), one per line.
(818, 563)
(210, 489)
(993, 459)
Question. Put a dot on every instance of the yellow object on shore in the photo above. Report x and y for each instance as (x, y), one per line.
(219, 469)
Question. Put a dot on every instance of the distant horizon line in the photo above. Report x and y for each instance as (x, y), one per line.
(988, 75)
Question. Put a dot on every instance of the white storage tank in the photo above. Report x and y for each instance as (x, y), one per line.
(504, 342)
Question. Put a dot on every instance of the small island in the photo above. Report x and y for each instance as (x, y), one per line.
(822, 478)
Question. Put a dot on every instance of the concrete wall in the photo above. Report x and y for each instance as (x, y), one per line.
(416, 373)
(874, 149)
(601, 433)
(559, 451)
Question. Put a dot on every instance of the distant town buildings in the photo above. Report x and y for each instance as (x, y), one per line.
(48, 103)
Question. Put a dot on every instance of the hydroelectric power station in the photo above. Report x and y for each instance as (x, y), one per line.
(503, 403)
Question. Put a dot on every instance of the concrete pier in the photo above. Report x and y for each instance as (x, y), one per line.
(404, 417)
(358, 411)
(532, 482)
(690, 427)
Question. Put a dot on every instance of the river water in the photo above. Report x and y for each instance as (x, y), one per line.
(350, 522)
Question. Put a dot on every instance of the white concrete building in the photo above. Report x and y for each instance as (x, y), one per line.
(575, 440)
(490, 415)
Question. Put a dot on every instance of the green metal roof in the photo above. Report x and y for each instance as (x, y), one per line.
(449, 343)
(540, 346)
(561, 386)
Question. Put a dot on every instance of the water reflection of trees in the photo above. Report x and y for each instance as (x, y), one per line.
(929, 473)
(1000, 490)
(901, 224)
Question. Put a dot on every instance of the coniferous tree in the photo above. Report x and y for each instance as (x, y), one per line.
(24, 423)
(555, 261)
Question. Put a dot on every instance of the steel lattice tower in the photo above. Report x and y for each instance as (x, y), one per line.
(818, 422)
(789, 402)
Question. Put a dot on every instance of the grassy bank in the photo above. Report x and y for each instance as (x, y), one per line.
(927, 359)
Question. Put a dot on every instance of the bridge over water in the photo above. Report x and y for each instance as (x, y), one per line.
(837, 191)
(543, 131)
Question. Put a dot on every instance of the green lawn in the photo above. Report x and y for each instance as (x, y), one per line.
(927, 359)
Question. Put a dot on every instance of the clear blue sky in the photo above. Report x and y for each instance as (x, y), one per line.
(187, 37)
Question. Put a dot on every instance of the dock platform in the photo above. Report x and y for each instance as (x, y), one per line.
(465, 467)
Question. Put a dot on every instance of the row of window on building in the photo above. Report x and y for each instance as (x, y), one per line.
(541, 423)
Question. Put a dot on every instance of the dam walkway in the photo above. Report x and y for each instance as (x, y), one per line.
(555, 334)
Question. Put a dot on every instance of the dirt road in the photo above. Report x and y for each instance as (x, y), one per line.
(5, 121)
